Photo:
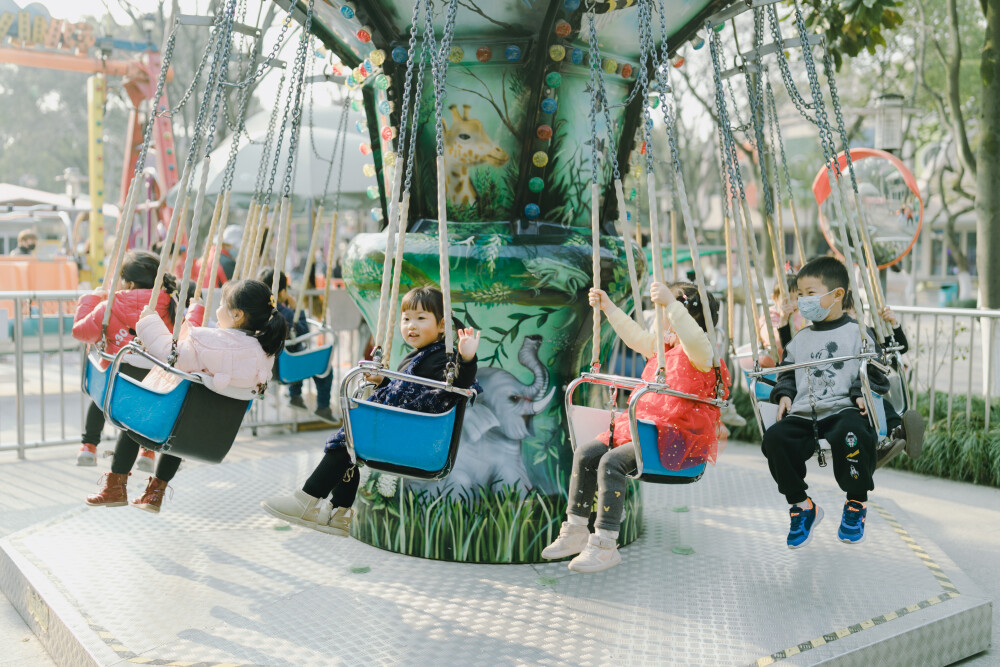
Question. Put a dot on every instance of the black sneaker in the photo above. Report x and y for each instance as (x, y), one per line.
(888, 450)
(297, 402)
(326, 414)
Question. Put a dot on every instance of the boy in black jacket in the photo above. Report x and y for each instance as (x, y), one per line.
(824, 401)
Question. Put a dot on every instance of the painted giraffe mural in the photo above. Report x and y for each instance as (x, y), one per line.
(467, 145)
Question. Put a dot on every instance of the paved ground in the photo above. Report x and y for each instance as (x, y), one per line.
(963, 520)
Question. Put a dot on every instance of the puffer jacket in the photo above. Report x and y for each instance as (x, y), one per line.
(125, 311)
(232, 357)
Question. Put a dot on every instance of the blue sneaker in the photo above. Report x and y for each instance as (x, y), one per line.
(852, 524)
(803, 522)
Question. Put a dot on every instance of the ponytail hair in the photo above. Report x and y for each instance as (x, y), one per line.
(139, 267)
(261, 319)
(690, 298)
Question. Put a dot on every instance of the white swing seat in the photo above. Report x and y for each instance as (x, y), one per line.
(587, 423)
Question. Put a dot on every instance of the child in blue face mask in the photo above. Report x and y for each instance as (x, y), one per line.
(829, 396)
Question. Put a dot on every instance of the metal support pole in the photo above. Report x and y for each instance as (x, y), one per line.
(19, 374)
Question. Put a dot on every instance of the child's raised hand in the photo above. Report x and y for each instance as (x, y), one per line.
(101, 292)
(600, 298)
(787, 310)
(661, 294)
(889, 317)
(146, 312)
(860, 401)
(784, 405)
(468, 343)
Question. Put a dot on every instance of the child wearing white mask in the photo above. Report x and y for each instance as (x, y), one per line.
(824, 401)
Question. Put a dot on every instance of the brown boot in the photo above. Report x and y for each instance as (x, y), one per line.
(112, 493)
(152, 497)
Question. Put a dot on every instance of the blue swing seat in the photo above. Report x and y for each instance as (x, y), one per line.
(95, 378)
(189, 420)
(762, 386)
(292, 367)
(402, 442)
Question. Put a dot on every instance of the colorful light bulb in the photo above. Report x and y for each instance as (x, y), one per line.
(388, 133)
(540, 159)
(348, 10)
(483, 54)
(376, 214)
(400, 54)
(377, 57)
(563, 28)
(626, 71)
(544, 132)
(385, 107)
(389, 159)
(382, 82)
(531, 211)
(549, 105)
(536, 184)
(365, 148)
(372, 192)
(512, 53)
(553, 79)
(356, 105)
(369, 170)
(571, 5)
(557, 52)
(678, 61)
(610, 65)
(576, 56)
(456, 54)
(697, 42)
(365, 34)
(361, 126)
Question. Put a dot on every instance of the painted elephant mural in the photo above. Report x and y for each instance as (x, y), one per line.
(496, 425)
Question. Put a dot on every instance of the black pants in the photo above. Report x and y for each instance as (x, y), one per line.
(93, 424)
(790, 443)
(127, 451)
(335, 474)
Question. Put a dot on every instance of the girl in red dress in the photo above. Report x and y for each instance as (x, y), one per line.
(689, 431)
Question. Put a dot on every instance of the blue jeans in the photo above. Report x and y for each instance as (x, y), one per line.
(324, 384)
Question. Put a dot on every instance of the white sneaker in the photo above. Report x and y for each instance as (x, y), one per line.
(571, 541)
(87, 456)
(146, 461)
(600, 554)
(299, 508)
(731, 417)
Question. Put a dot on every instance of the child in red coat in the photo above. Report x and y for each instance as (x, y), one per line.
(137, 276)
(689, 431)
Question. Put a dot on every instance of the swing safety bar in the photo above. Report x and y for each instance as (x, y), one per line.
(864, 356)
(734, 10)
(620, 382)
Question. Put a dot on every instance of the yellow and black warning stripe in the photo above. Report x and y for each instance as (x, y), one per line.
(949, 591)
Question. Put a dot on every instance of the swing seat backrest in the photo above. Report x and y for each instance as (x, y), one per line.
(291, 367)
(587, 423)
(761, 387)
(95, 379)
(404, 442)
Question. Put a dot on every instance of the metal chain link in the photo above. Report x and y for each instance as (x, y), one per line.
(600, 97)
(267, 144)
(220, 91)
(265, 63)
(786, 73)
(161, 81)
(755, 93)
(776, 139)
(439, 65)
(298, 82)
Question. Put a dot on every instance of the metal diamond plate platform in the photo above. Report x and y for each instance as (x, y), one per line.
(214, 581)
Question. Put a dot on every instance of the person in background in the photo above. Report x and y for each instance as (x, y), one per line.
(27, 239)
(232, 236)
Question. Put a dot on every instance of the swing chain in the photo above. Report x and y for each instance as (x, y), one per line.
(265, 159)
(755, 94)
(161, 82)
(301, 55)
(786, 73)
(775, 131)
(594, 98)
(411, 118)
(259, 72)
(220, 91)
(600, 96)
(439, 64)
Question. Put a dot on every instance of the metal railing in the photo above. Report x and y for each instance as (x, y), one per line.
(953, 356)
(41, 404)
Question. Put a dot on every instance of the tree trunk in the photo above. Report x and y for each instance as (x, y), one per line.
(987, 177)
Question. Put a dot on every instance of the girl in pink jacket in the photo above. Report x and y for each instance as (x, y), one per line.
(137, 276)
(237, 356)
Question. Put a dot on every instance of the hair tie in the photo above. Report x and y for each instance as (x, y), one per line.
(273, 302)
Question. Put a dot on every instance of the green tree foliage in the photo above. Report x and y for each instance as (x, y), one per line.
(853, 26)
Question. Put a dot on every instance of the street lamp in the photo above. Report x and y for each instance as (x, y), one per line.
(73, 179)
(889, 122)
(148, 22)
